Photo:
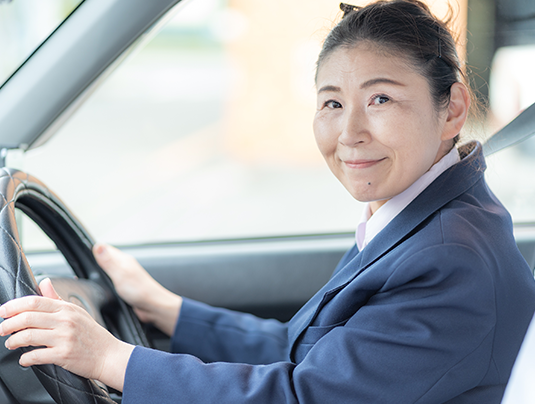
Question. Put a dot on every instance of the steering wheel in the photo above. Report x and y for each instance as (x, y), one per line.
(92, 289)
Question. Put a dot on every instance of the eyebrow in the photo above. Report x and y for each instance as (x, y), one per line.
(366, 84)
(380, 80)
(329, 88)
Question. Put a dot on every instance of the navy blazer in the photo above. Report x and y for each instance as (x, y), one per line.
(433, 310)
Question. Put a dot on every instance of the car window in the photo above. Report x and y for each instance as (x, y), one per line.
(206, 133)
(24, 25)
(203, 134)
(510, 176)
(35, 238)
(46, 263)
(501, 49)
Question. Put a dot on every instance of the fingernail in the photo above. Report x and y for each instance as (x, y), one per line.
(3, 312)
(102, 251)
(7, 343)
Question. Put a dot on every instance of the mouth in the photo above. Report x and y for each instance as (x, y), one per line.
(362, 163)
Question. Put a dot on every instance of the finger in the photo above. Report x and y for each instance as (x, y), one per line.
(40, 356)
(29, 303)
(101, 253)
(32, 337)
(112, 259)
(98, 249)
(33, 358)
(104, 255)
(47, 289)
(108, 259)
(26, 320)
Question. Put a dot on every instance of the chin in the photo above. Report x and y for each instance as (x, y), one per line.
(363, 195)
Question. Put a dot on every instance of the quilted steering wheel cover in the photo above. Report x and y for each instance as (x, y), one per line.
(16, 280)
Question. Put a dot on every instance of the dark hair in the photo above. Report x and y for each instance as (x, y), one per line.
(406, 28)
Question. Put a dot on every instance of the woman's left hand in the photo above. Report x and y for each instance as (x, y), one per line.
(66, 335)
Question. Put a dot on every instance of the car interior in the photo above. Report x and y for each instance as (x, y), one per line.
(188, 234)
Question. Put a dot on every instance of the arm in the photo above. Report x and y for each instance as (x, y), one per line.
(73, 340)
(215, 334)
(210, 333)
(77, 343)
(426, 336)
(151, 302)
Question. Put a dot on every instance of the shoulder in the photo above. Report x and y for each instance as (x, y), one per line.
(474, 219)
(441, 264)
(456, 244)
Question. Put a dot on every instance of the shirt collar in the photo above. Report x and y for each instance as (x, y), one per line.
(370, 225)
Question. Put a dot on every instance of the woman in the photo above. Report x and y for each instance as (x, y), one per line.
(430, 306)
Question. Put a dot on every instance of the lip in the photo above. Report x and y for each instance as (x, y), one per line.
(362, 163)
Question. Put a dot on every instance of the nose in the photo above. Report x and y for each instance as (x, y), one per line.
(354, 130)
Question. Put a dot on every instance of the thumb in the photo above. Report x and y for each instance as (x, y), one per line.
(100, 251)
(48, 290)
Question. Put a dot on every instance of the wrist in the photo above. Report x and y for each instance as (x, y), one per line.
(165, 313)
(115, 364)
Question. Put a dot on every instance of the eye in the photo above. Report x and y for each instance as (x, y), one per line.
(332, 104)
(379, 99)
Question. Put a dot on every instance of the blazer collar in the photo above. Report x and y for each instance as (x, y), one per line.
(449, 185)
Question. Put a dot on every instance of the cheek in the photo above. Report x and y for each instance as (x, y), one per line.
(415, 155)
(324, 135)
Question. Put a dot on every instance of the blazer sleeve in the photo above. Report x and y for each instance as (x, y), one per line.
(424, 337)
(214, 334)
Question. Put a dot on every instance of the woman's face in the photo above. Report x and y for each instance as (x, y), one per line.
(376, 123)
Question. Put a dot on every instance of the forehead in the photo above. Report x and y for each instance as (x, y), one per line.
(364, 62)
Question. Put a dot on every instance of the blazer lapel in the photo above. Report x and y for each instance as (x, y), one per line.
(448, 186)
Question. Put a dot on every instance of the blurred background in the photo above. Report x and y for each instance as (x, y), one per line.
(205, 132)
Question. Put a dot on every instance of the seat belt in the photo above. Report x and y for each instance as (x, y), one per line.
(516, 131)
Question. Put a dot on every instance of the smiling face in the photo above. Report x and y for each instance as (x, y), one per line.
(376, 123)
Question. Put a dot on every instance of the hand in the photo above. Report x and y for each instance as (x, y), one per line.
(151, 301)
(67, 336)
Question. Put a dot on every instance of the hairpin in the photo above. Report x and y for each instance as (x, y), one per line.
(347, 8)
(439, 47)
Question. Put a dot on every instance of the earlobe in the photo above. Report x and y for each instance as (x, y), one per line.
(457, 111)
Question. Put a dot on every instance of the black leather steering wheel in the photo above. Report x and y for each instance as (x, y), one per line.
(91, 288)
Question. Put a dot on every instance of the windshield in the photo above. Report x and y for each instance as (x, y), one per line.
(24, 25)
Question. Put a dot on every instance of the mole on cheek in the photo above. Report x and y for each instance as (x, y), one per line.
(369, 183)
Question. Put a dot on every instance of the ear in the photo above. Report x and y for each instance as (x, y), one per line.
(457, 111)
